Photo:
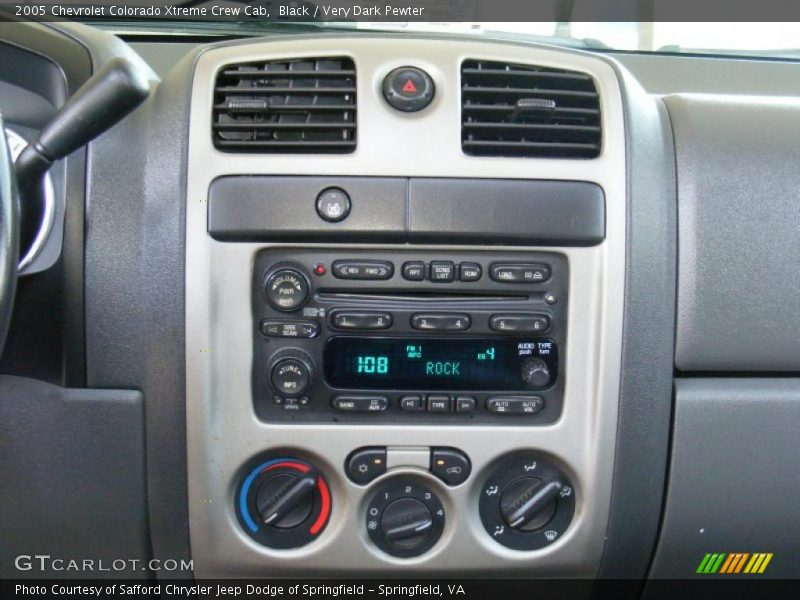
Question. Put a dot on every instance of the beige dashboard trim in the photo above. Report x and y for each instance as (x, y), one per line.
(222, 430)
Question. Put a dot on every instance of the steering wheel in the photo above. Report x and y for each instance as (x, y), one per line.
(9, 236)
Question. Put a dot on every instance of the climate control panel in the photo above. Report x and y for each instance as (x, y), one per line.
(525, 502)
(409, 336)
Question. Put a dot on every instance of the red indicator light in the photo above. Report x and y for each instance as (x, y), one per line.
(409, 87)
(320, 269)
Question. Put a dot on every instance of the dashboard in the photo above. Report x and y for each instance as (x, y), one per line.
(399, 305)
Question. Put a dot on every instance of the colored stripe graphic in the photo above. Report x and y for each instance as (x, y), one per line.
(733, 563)
(764, 564)
(715, 567)
(740, 564)
(703, 563)
(729, 562)
(711, 562)
(755, 561)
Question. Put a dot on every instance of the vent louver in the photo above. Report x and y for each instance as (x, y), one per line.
(287, 106)
(522, 110)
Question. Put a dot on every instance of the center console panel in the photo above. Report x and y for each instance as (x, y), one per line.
(403, 336)
(404, 359)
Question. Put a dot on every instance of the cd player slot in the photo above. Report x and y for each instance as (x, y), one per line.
(423, 296)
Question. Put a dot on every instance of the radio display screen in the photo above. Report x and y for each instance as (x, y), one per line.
(460, 364)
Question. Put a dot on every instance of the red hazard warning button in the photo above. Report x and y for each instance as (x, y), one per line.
(408, 89)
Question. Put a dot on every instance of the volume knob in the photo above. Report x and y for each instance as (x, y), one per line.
(535, 372)
(286, 289)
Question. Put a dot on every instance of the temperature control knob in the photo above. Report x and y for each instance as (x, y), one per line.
(286, 289)
(285, 500)
(535, 372)
(283, 503)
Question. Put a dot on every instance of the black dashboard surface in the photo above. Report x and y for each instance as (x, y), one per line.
(732, 295)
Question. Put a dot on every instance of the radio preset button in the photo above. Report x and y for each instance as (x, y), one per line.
(442, 272)
(519, 272)
(363, 269)
(522, 323)
(414, 270)
(465, 404)
(469, 271)
(295, 329)
(361, 403)
(440, 321)
(286, 289)
(361, 320)
(412, 404)
(514, 405)
(438, 403)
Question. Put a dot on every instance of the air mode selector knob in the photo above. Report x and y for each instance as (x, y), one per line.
(526, 502)
(535, 372)
(286, 289)
(529, 503)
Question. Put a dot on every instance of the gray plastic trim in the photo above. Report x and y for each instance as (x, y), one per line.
(733, 484)
(284, 208)
(738, 287)
(419, 210)
(134, 276)
(221, 427)
(648, 346)
(496, 211)
(73, 466)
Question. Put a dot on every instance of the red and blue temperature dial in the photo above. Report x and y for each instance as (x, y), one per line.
(283, 503)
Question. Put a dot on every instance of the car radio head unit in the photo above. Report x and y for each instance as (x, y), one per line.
(413, 336)
(445, 363)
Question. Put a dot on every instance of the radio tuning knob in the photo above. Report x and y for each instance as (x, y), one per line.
(535, 372)
(291, 373)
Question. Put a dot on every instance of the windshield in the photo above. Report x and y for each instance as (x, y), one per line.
(772, 40)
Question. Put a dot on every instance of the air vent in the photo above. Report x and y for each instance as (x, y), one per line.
(289, 106)
(522, 110)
